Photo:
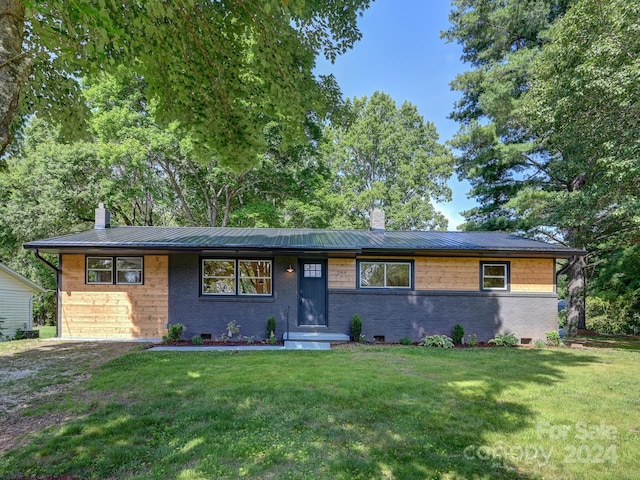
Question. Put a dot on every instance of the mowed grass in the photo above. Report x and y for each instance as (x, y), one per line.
(47, 331)
(358, 412)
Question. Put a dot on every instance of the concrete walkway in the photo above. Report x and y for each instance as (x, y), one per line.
(206, 348)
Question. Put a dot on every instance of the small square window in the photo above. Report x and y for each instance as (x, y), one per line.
(313, 270)
(494, 276)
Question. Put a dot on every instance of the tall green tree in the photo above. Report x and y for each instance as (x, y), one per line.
(584, 105)
(549, 115)
(387, 156)
(223, 69)
(504, 159)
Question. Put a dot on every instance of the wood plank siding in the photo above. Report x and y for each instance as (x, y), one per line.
(454, 273)
(114, 311)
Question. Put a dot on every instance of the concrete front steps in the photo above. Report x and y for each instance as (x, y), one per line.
(312, 340)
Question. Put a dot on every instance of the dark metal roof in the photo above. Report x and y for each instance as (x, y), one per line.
(209, 238)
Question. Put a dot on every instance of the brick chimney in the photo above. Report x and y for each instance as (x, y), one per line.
(103, 217)
(377, 220)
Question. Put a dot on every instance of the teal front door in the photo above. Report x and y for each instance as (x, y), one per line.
(312, 307)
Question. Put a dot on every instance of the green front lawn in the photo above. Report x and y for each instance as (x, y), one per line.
(358, 412)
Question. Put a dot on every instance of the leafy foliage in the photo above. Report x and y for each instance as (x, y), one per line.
(548, 119)
(438, 341)
(222, 69)
(356, 328)
(271, 326)
(505, 340)
(175, 331)
(388, 157)
(458, 334)
(553, 338)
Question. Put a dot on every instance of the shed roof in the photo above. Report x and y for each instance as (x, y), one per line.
(290, 239)
(21, 279)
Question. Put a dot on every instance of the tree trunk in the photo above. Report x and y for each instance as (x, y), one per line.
(15, 66)
(576, 295)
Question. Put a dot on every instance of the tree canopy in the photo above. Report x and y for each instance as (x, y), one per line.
(387, 156)
(222, 69)
(548, 118)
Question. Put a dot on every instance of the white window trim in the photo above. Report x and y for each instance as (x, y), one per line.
(505, 277)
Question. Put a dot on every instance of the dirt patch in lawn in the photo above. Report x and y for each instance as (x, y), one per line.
(35, 371)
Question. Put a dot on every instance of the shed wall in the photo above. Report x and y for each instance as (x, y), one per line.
(15, 305)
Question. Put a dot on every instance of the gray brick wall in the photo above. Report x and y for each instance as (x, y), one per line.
(211, 315)
(415, 314)
(383, 313)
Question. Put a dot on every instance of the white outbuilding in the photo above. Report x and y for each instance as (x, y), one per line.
(16, 301)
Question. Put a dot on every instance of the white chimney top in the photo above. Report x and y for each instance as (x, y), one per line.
(377, 220)
(103, 217)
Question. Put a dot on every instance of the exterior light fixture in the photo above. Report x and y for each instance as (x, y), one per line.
(290, 269)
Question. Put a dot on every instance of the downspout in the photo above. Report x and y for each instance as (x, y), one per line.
(58, 271)
(36, 252)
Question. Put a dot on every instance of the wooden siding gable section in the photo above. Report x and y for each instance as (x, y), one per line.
(114, 310)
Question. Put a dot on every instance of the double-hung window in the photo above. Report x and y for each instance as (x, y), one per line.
(376, 274)
(106, 270)
(494, 275)
(236, 277)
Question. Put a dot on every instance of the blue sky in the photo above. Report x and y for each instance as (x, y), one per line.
(401, 54)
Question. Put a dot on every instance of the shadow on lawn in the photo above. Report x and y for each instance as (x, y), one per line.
(368, 413)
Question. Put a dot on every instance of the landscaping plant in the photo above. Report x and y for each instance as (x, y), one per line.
(406, 341)
(553, 338)
(271, 325)
(175, 331)
(458, 334)
(356, 328)
(505, 340)
(438, 341)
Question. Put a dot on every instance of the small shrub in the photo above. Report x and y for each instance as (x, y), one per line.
(362, 339)
(196, 340)
(165, 339)
(271, 325)
(553, 338)
(458, 334)
(272, 338)
(250, 340)
(20, 335)
(505, 340)
(540, 344)
(175, 331)
(232, 329)
(356, 328)
(473, 340)
(405, 341)
(438, 341)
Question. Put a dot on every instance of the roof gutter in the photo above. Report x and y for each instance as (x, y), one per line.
(36, 252)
